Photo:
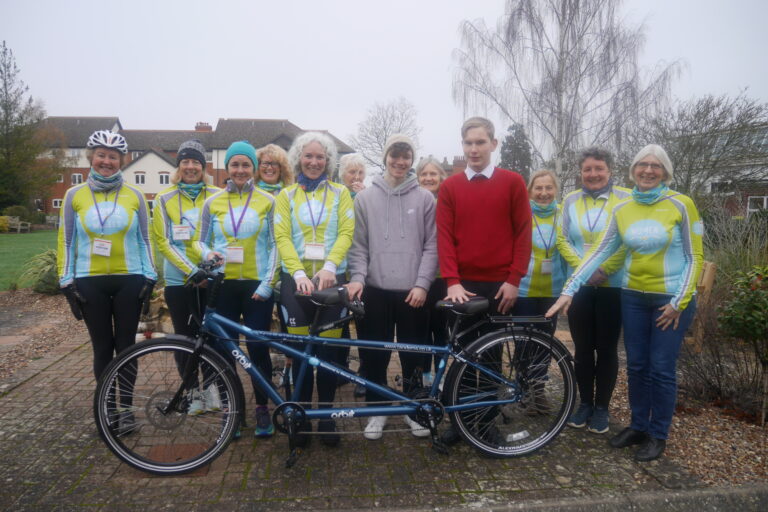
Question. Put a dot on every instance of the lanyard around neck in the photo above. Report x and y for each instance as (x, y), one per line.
(236, 226)
(547, 245)
(311, 215)
(103, 221)
(182, 218)
(591, 225)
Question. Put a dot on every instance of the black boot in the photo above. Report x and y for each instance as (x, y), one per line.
(650, 450)
(628, 437)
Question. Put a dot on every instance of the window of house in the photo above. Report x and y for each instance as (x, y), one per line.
(165, 178)
(139, 178)
(209, 156)
(756, 204)
(135, 155)
(60, 178)
(77, 178)
(73, 153)
(57, 203)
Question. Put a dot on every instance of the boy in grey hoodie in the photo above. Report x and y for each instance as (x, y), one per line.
(392, 263)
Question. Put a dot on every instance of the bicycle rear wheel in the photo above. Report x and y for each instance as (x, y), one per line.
(532, 381)
(131, 399)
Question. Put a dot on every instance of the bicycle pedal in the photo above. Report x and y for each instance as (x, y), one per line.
(293, 457)
(440, 447)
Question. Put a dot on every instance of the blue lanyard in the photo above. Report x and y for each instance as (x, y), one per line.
(547, 245)
(96, 205)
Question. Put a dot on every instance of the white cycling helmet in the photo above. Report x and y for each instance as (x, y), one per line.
(107, 139)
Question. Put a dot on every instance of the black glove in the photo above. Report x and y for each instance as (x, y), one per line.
(75, 300)
(198, 277)
(145, 295)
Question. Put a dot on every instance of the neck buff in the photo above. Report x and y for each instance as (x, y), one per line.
(309, 185)
(99, 183)
(543, 211)
(594, 194)
(650, 196)
(272, 189)
(191, 189)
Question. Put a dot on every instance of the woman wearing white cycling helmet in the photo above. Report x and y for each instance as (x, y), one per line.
(105, 262)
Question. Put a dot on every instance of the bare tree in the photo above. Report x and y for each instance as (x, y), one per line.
(716, 143)
(381, 121)
(565, 69)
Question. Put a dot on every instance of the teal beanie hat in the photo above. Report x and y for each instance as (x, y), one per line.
(241, 147)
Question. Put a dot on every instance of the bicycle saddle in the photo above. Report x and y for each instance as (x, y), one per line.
(330, 296)
(473, 306)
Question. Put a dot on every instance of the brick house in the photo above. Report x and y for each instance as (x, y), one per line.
(152, 153)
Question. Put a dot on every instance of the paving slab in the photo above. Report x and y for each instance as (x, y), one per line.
(53, 459)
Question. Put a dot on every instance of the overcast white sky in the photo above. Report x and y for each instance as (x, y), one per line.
(166, 64)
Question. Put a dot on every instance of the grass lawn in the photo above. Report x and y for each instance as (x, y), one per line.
(17, 248)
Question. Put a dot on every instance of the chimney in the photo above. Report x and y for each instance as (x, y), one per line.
(203, 127)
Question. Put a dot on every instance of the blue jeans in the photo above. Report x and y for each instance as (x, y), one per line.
(652, 360)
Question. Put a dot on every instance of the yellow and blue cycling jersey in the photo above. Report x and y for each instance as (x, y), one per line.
(239, 224)
(584, 220)
(546, 268)
(664, 248)
(175, 210)
(104, 233)
(324, 217)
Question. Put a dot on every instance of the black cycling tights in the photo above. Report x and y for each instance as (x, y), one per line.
(111, 313)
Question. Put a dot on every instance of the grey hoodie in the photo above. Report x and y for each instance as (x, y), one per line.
(395, 241)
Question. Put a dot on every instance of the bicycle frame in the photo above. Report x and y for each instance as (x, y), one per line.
(217, 326)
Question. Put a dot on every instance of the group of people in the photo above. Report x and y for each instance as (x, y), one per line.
(288, 223)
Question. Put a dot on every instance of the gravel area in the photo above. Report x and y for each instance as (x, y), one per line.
(710, 444)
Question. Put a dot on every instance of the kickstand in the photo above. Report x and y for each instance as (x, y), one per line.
(293, 446)
(437, 445)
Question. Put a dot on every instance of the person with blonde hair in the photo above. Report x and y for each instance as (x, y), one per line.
(174, 224)
(274, 171)
(431, 174)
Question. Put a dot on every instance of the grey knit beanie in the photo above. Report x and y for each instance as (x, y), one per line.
(193, 149)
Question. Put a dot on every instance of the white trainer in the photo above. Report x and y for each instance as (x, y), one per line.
(375, 427)
(196, 403)
(416, 429)
(212, 398)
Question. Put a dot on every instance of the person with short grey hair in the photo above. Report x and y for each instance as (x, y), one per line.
(352, 172)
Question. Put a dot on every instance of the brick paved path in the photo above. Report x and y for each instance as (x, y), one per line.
(52, 458)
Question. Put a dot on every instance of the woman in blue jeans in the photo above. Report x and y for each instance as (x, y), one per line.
(662, 232)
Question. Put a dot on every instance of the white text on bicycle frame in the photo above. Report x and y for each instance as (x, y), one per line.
(241, 359)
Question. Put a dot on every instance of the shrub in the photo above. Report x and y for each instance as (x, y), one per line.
(22, 212)
(40, 272)
(716, 366)
(4, 223)
(734, 244)
(745, 317)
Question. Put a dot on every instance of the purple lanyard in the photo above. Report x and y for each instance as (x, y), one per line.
(591, 225)
(547, 245)
(96, 205)
(311, 216)
(236, 226)
(182, 218)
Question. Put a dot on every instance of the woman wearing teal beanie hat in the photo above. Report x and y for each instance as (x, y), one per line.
(237, 225)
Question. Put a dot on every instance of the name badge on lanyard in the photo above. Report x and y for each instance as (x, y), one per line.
(314, 251)
(102, 247)
(182, 232)
(546, 266)
(235, 254)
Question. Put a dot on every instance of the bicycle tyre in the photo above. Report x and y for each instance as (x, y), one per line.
(542, 394)
(173, 443)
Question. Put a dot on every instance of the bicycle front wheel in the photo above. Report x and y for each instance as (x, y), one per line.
(132, 415)
(524, 396)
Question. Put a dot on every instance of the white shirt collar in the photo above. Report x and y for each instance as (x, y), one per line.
(487, 172)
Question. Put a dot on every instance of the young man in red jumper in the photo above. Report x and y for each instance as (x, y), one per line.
(483, 229)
